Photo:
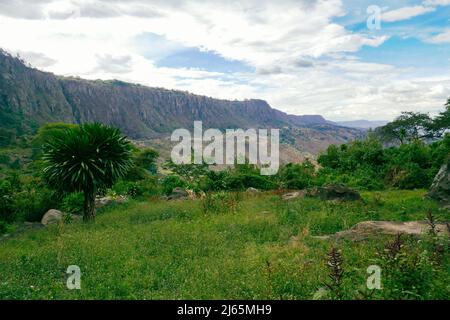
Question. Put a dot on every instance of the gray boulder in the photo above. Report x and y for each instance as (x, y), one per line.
(293, 195)
(252, 190)
(52, 216)
(178, 193)
(440, 189)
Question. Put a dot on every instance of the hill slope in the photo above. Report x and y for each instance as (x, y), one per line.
(29, 98)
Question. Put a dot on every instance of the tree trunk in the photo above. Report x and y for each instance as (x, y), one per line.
(89, 207)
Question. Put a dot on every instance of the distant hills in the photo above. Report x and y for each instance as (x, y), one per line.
(362, 124)
(30, 98)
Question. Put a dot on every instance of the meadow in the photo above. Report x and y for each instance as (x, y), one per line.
(245, 246)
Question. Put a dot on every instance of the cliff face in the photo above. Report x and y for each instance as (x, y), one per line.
(29, 98)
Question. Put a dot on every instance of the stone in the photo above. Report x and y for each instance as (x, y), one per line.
(103, 201)
(366, 229)
(335, 192)
(178, 194)
(440, 188)
(293, 195)
(252, 190)
(52, 216)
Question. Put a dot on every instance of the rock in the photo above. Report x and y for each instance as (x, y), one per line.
(252, 190)
(178, 193)
(52, 216)
(293, 195)
(440, 188)
(103, 201)
(335, 192)
(364, 230)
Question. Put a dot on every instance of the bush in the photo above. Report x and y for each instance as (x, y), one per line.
(171, 182)
(31, 205)
(297, 176)
(73, 203)
(241, 181)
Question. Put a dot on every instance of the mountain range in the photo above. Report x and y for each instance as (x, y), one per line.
(30, 98)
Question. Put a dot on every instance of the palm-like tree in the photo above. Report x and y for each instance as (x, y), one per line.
(86, 158)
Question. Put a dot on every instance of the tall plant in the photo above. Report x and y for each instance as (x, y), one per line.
(86, 158)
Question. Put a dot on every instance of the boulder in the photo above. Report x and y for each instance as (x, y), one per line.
(366, 229)
(252, 190)
(293, 195)
(52, 216)
(335, 192)
(178, 193)
(440, 188)
(103, 201)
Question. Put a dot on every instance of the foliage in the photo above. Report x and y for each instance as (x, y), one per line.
(73, 203)
(171, 250)
(86, 158)
(298, 176)
(171, 182)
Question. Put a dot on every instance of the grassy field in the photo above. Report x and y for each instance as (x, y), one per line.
(247, 247)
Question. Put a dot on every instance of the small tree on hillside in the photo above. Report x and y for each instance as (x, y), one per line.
(86, 158)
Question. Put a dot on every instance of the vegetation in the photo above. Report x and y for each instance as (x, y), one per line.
(227, 243)
(261, 248)
(86, 158)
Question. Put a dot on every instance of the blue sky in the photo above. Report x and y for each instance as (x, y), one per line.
(302, 56)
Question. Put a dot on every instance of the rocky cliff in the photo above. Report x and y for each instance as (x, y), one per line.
(29, 98)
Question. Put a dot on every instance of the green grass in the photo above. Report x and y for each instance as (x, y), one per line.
(265, 249)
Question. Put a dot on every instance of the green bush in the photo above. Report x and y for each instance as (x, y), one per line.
(241, 181)
(171, 182)
(73, 203)
(32, 204)
(297, 176)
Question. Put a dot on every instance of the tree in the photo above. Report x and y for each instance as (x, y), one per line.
(410, 126)
(147, 160)
(86, 158)
(441, 123)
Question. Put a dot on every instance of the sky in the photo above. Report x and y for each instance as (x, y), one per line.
(343, 59)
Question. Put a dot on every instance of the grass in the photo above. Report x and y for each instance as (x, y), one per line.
(264, 249)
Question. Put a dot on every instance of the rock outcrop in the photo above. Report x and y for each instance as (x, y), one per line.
(178, 194)
(366, 229)
(440, 189)
(335, 192)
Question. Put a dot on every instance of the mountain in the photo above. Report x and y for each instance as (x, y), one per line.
(30, 98)
(362, 124)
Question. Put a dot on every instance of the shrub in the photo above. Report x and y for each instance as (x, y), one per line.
(297, 176)
(73, 203)
(171, 182)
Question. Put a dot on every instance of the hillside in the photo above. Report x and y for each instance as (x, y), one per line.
(30, 98)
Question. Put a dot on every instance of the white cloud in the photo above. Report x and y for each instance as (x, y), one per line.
(405, 13)
(437, 2)
(443, 37)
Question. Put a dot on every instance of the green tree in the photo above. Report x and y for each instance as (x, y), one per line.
(441, 123)
(410, 126)
(147, 160)
(87, 158)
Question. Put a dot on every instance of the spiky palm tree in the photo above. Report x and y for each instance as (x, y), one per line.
(86, 158)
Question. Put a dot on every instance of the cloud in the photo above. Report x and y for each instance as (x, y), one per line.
(36, 59)
(24, 9)
(405, 13)
(443, 37)
(437, 2)
(114, 64)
